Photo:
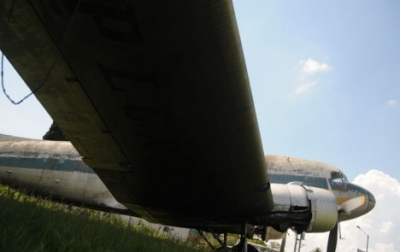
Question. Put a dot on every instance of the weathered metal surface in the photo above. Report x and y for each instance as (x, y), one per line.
(297, 166)
(12, 138)
(55, 169)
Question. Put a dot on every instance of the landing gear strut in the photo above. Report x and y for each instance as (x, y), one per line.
(223, 248)
(243, 237)
(224, 243)
(243, 246)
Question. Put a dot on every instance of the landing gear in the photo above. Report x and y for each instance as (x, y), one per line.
(243, 246)
(224, 244)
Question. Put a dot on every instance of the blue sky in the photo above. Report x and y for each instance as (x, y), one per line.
(325, 77)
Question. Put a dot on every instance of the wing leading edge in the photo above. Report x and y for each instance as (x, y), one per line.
(155, 96)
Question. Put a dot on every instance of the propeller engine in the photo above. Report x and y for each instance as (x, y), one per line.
(320, 204)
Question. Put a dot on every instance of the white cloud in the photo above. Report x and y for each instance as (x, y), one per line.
(391, 103)
(310, 66)
(307, 69)
(386, 226)
(304, 87)
(381, 224)
(385, 247)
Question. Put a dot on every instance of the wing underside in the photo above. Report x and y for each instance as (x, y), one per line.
(154, 95)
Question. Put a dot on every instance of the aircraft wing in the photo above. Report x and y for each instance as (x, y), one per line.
(154, 95)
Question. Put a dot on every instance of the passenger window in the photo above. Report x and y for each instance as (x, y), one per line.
(309, 181)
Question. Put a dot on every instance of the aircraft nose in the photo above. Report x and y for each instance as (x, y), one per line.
(372, 201)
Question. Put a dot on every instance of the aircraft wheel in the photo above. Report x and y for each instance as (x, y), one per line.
(238, 248)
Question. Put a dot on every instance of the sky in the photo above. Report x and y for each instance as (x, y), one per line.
(325, 77)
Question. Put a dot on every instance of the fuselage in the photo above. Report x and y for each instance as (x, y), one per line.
(53, 168)
(56, 168)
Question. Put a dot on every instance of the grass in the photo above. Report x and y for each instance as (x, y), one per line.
(33, 224)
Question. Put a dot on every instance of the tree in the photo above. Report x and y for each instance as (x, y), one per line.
(55, 134)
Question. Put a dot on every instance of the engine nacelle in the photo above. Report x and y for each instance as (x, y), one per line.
(324, 209)
(305, 204)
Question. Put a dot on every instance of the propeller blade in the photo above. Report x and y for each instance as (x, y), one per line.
(332, 240)
(283, 243)
(352, 204)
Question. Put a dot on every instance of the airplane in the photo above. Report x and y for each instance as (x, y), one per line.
(154, 95)
(308, 196)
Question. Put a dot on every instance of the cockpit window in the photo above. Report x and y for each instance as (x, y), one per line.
(338, 181)
(338, 177)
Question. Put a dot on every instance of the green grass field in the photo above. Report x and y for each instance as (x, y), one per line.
(34, 224)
